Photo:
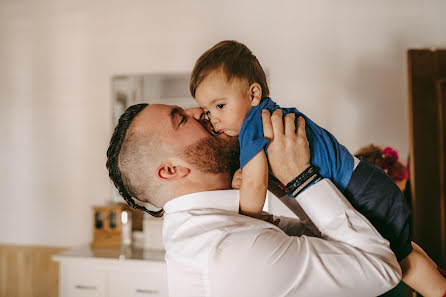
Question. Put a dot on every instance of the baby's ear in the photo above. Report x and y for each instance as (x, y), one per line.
(255, 94)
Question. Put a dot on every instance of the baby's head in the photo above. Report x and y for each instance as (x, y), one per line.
(227, 80)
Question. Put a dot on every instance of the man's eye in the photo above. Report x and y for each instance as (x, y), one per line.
(220, 106)
(183, 120)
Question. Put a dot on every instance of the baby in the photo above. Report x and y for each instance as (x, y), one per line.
(230, 85)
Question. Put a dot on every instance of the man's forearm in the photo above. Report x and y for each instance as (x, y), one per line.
(337, 220)
(295, 227)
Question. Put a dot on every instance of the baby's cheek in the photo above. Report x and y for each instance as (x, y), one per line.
(238, 127)
(235, 128)
(232, 133)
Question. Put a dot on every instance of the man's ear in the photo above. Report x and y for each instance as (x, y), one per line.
(169, 172)
(255, 94)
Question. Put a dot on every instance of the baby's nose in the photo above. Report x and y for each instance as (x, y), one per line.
(214, 121)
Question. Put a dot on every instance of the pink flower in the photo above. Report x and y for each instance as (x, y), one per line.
(390, 152)
(391, 166)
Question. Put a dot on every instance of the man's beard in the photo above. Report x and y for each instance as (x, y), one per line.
(214, 155)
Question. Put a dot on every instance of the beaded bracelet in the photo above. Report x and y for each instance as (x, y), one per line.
(303, 180)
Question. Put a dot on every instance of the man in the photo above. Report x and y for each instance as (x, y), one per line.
(169, 157)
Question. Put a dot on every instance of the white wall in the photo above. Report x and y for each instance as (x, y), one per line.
(341, 62)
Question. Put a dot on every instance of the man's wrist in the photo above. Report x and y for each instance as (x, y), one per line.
(308, 177)
(291, 173)
(276, 187)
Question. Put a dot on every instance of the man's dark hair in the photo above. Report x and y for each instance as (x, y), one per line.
(117, 141)
(237, 61)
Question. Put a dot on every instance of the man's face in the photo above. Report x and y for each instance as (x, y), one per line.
(189, 134)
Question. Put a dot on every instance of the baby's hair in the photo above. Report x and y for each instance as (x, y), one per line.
(236, 60)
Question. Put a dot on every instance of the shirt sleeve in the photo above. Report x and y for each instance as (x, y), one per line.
(295, 207)
(351, 258)
(291, 226)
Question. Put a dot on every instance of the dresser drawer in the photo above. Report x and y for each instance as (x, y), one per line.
(84, 281)
(139, 284)
(86, 272)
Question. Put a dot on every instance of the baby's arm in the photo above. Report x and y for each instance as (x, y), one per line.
(254, 185)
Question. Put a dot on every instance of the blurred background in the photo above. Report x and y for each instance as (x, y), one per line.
(343, 63)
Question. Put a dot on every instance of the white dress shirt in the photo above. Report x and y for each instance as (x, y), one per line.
(212, 250)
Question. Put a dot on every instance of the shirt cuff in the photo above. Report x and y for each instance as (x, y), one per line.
(323, 203)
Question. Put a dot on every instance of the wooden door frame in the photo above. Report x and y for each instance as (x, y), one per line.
(427, 79)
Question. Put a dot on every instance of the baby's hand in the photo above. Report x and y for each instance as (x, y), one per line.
(237, 179)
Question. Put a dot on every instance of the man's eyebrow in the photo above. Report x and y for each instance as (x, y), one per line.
(173, 113)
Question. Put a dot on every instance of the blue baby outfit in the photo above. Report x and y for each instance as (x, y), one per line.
(333, 159)
(368, 188)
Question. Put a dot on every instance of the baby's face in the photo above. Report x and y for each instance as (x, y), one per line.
(226, 103)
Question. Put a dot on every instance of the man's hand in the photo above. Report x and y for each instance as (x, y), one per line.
(288, 150)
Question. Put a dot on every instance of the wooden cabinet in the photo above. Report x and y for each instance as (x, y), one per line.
(110, 272)
(149, 282)
(82, 280)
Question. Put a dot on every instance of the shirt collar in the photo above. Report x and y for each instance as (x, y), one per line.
(220, 199)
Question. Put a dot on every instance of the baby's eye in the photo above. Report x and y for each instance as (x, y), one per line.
(206, 115)
(220, 106)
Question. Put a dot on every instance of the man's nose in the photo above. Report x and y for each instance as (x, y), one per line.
(196, 112)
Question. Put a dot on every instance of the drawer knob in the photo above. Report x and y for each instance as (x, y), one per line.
(84, 287)
(143, 291)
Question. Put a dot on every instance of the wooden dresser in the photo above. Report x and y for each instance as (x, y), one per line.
(112, 272)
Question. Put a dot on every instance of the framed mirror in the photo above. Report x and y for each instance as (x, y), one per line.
(168, 88)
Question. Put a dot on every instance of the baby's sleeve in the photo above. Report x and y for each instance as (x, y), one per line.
(251, 137)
